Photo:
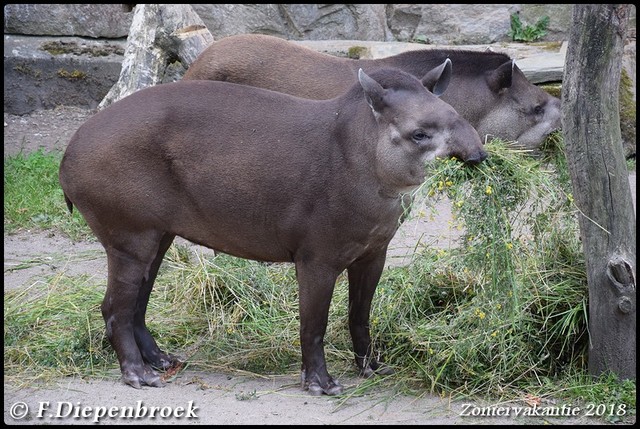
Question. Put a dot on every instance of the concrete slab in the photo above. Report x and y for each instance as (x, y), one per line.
(46, 72)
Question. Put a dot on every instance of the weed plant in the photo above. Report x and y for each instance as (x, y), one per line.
(527, 33)
(506, 307)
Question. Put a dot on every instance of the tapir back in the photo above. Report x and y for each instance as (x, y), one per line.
(486, 88)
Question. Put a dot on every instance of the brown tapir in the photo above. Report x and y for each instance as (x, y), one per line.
(487, 88)
(260, 175)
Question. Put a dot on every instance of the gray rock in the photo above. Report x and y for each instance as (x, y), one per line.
(90, 20)
(332, 21)
(229, 19)
(297, 21)
(559, 19)
(452, 24)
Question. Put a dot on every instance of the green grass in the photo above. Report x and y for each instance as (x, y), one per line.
(503, 315)
(33, 198)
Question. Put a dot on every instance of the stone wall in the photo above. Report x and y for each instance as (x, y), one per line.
(433, 23)
(90, 39)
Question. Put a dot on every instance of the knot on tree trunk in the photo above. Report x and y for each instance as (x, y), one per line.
(622, 277)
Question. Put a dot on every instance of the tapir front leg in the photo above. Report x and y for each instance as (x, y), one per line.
(364, 275)
(315, 284)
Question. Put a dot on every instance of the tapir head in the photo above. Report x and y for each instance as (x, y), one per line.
(415, 126)
(516, 110)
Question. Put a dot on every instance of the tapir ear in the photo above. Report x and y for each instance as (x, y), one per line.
(437, 80)
(373, 91)
(501, 77)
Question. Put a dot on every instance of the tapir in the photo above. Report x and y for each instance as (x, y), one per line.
(259, 175)
(487, 88)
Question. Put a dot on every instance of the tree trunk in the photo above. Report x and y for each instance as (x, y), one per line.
(591, 127)
(159, 34)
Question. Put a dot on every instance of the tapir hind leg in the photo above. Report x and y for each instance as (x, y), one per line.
(315, 290)
(363, 280)
(150, 351)
(129, 261)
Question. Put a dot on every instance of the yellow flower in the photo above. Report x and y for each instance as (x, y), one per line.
(431, 351)
(459, 203)
(509, 246)
(448, 183)
(488, 190)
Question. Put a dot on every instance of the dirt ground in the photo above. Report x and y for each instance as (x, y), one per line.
(216, 398)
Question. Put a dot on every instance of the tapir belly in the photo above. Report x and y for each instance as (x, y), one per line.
(275, 221)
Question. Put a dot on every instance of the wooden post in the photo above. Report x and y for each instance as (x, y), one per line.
(591, 127)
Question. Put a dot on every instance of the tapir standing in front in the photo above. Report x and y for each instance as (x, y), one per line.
(259, 175)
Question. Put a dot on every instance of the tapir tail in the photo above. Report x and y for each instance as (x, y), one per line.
(69, 203)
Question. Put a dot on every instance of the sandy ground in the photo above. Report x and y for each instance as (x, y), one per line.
(214, 398)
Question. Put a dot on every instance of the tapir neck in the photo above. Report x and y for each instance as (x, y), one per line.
(359, 156)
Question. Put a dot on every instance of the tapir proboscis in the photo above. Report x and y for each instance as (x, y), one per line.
(260, 175)
(487, 88)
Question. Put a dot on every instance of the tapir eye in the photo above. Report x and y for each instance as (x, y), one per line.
(419, 136)
(538, 110)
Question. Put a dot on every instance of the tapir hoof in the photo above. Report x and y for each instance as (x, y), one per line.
(315, 389)
(381, 369)
(334, 388)
(166, 362)
(148, 378)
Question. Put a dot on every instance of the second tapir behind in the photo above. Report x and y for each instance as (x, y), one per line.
(487, 88)
(260, 175)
